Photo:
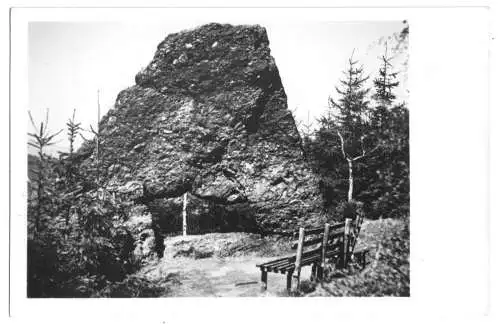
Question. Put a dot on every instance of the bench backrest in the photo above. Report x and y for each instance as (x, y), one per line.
(339, 236)
(315, 236)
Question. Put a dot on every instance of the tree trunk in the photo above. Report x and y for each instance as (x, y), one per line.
(97, 137)
(40, 191)
(351, 181)
(38, 206)
(184, 216)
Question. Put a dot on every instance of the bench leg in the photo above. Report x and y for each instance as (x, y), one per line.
(263, 279)
(296, 275)
(289, 280)
(314, 270)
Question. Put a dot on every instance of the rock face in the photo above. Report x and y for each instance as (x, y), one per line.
(209, 116)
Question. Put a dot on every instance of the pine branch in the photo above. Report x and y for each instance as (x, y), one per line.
(34, 145)
(49, 138)
(31, 119)
(83, 137)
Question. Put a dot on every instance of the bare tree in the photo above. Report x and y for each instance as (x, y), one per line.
(350, 161)
(97, 138)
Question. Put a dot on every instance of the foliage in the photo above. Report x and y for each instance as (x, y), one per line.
(390, 125)
(81, 252)
(387, 272)
(340, 139)
(348, 209)
(135, 286)
(376, 145)
(389, 194)
(74, 129)
(76, 243)
(349, 113)
(41, 139)
(385, 82)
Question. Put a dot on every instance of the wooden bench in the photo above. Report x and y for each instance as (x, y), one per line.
(314, 247)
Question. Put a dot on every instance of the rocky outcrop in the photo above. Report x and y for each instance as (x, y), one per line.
(209, 116)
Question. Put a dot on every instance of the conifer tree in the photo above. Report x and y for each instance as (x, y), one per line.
(73, 130)
(384, 97)
(389, 192)
(385, 82)
(40, 140)
(306, 135)
(352, 130)
(349, 117)
(350, 110)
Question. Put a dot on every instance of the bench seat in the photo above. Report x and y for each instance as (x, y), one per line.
(286, 264)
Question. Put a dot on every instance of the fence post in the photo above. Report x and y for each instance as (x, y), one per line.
(324, 244)
(298, 259)
(347, 230)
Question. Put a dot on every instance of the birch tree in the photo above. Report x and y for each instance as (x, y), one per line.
(350, 160)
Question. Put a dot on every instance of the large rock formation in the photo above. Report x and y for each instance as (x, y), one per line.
(209, 116)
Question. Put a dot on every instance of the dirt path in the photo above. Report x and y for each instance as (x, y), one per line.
(214, 276)
(223, 264)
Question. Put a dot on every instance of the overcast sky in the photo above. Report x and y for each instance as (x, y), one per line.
(69, 62)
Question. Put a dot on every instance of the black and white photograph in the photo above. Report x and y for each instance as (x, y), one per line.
(301, 163)
(218, 169)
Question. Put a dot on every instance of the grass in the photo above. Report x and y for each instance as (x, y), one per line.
(137, 286)
(388, 269)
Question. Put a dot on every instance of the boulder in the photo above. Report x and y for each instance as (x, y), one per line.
(209, 116)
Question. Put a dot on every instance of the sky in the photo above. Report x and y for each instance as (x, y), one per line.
(68, 62)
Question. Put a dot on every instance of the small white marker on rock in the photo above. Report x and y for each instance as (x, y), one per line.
(188, 45)
(215, 44)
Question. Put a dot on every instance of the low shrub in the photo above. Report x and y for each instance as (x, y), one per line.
(134, 286)
(73, 257)
(388, 269)
(347, 209)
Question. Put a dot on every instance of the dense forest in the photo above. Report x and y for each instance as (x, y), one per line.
(78, 245)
